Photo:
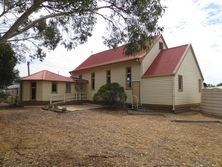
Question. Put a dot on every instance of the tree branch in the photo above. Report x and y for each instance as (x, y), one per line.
(23, 39)
(14, 32)
(20, 20)
(105, 18)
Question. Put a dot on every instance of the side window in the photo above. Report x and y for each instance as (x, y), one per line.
(180, 83)
(128, 77)
(93, 81)
(200, 84)
(68, 87)
(160, 45)
(108, 76)
(54, 87)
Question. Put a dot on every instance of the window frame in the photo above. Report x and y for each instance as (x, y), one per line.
(161, 45)
(68, 88)
(200, 85)
(93, 81)
(180, 83)
(56, 87)
(128, 83)
(108, 76)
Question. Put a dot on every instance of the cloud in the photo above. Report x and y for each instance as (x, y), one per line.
(197, 22)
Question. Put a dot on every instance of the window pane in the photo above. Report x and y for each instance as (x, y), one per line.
(200, 85)
(128, 78)
(180, 83)
(160, 45)
(108, 76)
(93, 81)
(54, 87)
(68, 88)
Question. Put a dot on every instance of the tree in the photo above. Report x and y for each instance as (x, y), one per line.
(41, 25)
(7, 63)
(110, 94)
(220, 84)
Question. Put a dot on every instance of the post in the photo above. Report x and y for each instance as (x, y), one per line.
(28, 63)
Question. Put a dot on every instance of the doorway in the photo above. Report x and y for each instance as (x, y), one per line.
(136, 91)
(33, 90)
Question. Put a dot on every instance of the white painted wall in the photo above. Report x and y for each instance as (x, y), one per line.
(157, 90)
(26, 90)
(43, 90)
(118, 74)
(61, 90)
(151, 55)
(191, 75)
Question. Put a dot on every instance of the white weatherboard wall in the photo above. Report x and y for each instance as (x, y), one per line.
(151, 55)
(212, 101)
(191, 75)
(61, 90)
(157, 90)
(26, 90)
(118, 74)
(43, 90)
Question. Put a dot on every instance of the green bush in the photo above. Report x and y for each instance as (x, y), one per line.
(52, 106)
(3, 95)
(110, 94)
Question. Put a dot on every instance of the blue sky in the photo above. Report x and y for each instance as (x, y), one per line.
(198, 22)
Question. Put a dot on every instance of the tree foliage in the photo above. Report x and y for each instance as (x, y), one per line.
(41, 25)
(110, 94)
(220, 84)
(7, 63)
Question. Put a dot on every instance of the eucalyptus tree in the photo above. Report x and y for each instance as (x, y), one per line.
(8, 73)
(41, 25)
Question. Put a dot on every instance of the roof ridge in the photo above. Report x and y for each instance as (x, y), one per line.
(123, 45)
(177, 46)
(34, 73)
(108, 50)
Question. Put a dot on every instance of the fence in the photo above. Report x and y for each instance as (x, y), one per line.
(212, 101)
(66, 98)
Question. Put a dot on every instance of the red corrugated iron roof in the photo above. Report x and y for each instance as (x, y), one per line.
(115, 55)
(108, 57)
(167, 62)
(47, 76)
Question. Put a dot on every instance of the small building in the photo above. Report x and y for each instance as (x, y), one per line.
(13, 90)
(162, 77)
(45, 86)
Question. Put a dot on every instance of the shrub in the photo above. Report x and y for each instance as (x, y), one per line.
(52, 106)
(110, 94)
(3, 95)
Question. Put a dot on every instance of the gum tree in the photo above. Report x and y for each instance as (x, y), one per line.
(40, 25)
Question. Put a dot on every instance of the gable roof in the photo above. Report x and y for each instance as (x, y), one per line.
(115, 55)
(167, 61)
(108, 57)
(45, 75)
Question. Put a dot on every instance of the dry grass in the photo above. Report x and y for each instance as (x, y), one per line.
(32, 137)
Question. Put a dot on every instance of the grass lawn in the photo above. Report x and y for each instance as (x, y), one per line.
(99, 137)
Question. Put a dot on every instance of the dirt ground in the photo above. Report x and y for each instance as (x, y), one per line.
(99, 137)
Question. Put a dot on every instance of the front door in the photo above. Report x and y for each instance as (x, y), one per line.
(136, 91)
(33, 90)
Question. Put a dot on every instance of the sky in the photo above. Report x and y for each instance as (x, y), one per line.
(198, 22)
